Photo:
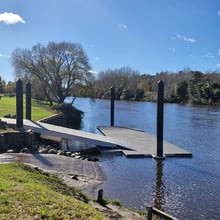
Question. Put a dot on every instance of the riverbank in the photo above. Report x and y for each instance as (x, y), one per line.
(82, 174)
(78, 173)
(29, 193)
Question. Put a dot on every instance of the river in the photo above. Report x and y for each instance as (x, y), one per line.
(187, 188)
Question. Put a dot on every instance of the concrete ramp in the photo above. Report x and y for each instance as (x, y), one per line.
(70, 135)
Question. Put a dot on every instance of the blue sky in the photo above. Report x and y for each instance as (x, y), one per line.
(147, 35)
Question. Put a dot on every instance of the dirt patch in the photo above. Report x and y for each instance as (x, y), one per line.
(117, 212)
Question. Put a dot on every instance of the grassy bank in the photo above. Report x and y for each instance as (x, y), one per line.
(26, 193)
(39, 110)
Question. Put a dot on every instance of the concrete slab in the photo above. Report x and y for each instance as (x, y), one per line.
(132, 142)
(139, 143)
(64, 133)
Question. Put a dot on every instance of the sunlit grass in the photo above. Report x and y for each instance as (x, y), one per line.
(26, 193)
(39, 110)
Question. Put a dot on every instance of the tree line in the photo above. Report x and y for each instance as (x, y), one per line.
(58, 70)
(185, 86)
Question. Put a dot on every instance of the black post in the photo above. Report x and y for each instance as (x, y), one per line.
(112, 105)
(100, 197)
(160, 102)
(149, 213)
(19, 104)
(28, 101)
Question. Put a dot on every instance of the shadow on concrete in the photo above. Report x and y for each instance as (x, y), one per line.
(42, 160)
(38, 124)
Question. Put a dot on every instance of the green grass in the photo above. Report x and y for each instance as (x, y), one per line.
(26, 193)
(39, 110)
(113, 202)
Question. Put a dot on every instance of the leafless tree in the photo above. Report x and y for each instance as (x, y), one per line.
(57, 67)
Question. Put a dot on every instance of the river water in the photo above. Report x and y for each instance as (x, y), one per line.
(187, 188)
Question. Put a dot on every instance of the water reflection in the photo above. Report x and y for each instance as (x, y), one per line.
(159, 187)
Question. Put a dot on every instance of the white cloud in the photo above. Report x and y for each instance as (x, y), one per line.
(186, 39)
(122, 26)
(10, 18)
(92, 71)
(218, 65)
(172, 49)
(191, 40)
(4, 55)
(97, 59)
(218, 13)
(208, 56)
(219, 52)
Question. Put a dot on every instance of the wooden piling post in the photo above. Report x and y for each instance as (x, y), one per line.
(100, 197)
(112, 105)
(28, 101)
(160, 112)
(149, 213)
(19, 104)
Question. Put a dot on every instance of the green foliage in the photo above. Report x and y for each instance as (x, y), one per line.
(183, 87)
(182, 91)
(31, 194)
(2, 85)
(205, 89)
(115, 202)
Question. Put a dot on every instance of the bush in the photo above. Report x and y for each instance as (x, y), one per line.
(72, 116)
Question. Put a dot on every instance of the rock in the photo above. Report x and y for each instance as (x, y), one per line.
(52, 151)
(83, 158)
(43, 150)
(60, 152)
(68, 153)
(89, 158)
(10, 151)
(75, 177)
(75, 154)
(25, 150)
(94, 159)
(34, 148)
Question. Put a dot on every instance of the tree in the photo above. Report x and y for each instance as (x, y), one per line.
(195, 84)
(10, 88)
(56, 67)
(123, 78)
(182, 90)
(2, 85)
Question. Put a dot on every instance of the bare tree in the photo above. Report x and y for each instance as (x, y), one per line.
(57, 68)
(122, 78)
